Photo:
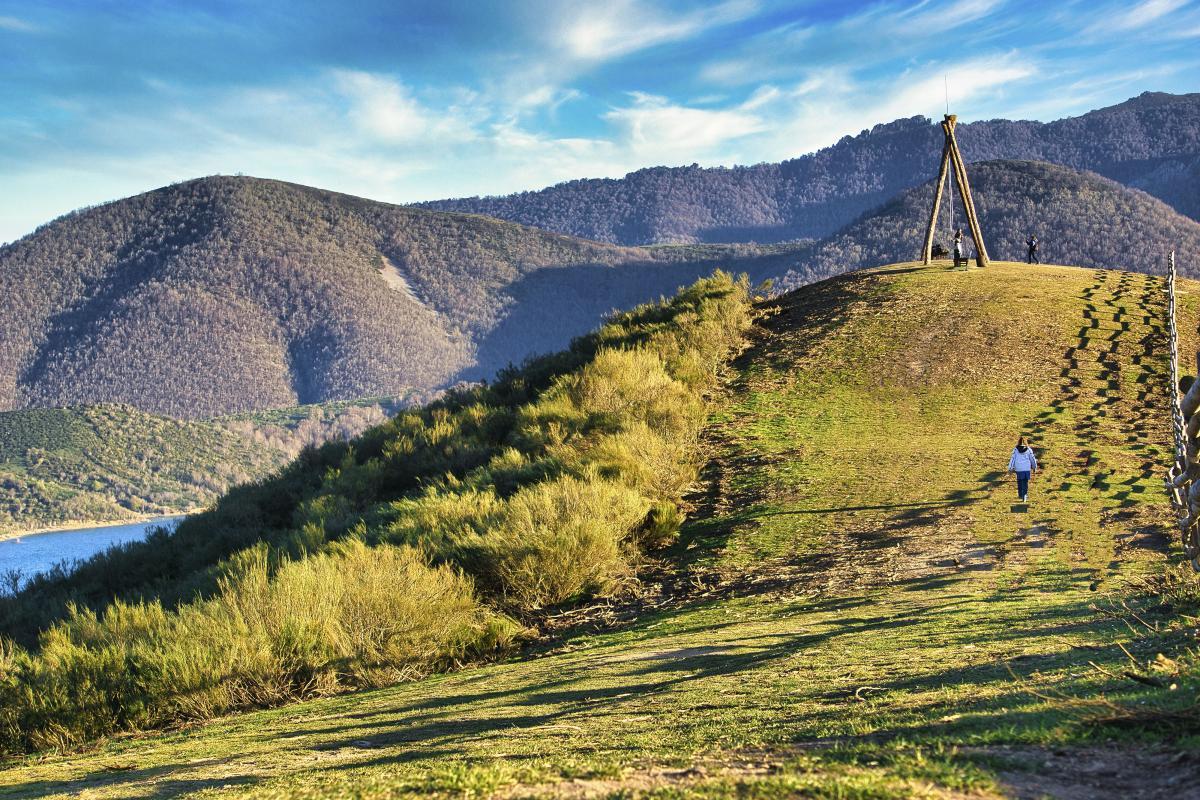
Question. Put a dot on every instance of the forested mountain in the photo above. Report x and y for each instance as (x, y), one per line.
(227, 294)
(1079, 217)
(1151, 142)
(114, 462)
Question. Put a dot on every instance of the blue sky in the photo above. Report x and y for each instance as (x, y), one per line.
(405, 101)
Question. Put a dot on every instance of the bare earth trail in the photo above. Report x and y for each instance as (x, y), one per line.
(870, 613)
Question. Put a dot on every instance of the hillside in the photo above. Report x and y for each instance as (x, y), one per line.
(1080, 218)
(224, 295)
(113, 463)
(227, 295)
(857, 606)
(1151, 142)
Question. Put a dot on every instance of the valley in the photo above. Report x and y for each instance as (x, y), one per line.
(641, 400)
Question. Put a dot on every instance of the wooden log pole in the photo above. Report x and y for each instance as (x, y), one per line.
(927, 252)
(964, 189)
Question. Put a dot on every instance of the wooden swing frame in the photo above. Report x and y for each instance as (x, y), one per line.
(952, 159)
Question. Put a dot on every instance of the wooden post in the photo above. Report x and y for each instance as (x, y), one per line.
(952, 159)
(927, 253)
(964, 188)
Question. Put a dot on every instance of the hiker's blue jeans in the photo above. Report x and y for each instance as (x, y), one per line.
(1022, 484)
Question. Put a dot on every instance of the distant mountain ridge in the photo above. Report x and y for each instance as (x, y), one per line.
(231, 294)
(1151, 142)
(228, 294)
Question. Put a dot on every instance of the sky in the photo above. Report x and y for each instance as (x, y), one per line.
(403, 101)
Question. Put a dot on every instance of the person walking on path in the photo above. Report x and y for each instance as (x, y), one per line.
(1032, 243)
(1024, 463)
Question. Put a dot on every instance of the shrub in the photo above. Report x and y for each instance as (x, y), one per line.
(556, 540)
(353, 616)
(659, 467)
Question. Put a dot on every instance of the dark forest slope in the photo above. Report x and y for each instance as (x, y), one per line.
(1151, 142)
(227, 294)
(1080, 218)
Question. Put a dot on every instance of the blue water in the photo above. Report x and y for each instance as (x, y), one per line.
(37, 552)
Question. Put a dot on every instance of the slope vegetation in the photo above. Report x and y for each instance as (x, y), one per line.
(1080, 218)
(1151, 142)
(224, 295)
(858, 606)
(405, 551)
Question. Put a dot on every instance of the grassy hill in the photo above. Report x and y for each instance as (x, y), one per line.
(114, 462)
(226, 294)
(857, 606)
(1080, 217)
(1151, 142)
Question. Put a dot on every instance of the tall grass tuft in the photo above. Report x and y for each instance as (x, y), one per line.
(353, 616)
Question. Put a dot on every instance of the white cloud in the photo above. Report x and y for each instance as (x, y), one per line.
(1139, 16)
(825, 107)
(602, 31)
(873, 35)
(656, 130)
(386, 110)
(547, 96)
(18, 25)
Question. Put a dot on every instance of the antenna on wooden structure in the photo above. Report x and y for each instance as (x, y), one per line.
(952, 162)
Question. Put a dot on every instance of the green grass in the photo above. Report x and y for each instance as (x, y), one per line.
(890, 624)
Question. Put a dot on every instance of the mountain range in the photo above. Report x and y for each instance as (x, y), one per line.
(1079, 217)
(1151, 142)
(226, 294)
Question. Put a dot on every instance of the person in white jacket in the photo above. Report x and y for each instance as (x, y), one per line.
(1024, 463)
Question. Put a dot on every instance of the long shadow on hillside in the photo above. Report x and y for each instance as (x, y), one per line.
(550, 306)
(419, 726)
(646, 673)
(1093, 371)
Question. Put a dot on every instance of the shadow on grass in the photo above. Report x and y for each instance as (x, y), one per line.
(573, 701)
(167, 787)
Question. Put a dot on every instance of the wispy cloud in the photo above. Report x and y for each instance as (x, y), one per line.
(655, 129)
(384, 109)
(602, 31)
(1135, 17)
(18, 25)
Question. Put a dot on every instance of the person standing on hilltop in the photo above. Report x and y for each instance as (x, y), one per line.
(1032, 243)
(1024, 463)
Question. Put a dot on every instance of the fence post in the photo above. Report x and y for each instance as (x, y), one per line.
(1181, 480)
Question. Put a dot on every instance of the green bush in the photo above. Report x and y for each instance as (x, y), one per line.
(353, 616)
(558, 540)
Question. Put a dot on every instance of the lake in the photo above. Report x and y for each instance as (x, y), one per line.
(36, 552)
